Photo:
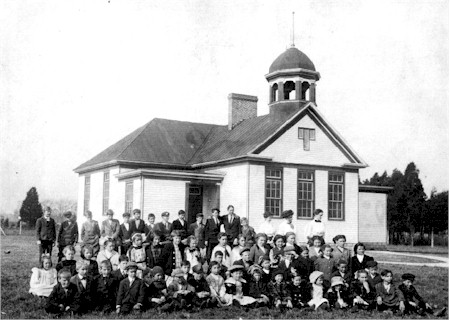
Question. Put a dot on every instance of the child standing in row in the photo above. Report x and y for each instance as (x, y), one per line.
(67, 234)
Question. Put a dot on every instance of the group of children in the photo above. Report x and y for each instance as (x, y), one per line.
(177, 276)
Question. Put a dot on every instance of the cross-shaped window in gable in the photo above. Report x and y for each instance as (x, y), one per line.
(307, 134)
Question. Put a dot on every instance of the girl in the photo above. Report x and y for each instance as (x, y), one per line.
(315, 250)
(90, 233)
(43, 279)
(235, 256)
(136, 253)
(192, 253)
(300, 292)
(109, 254)
(87, 252)
(281, 294)
(260, 248)
(68, 263)
(338, 295)
(153, 252)
(359, 260)
(277, 252)
(341, 252)
(290, 240)
(236, 288)
(248, 232)
(325, 264)
(267, 227)
(216, 284)
(317, 301)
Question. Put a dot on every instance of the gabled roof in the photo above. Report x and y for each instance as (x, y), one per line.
(184, 144)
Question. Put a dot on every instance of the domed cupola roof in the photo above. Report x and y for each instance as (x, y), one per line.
(292, 58)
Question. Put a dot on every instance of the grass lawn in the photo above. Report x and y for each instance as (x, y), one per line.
(440, 250)
(386, 257)
(17, 303)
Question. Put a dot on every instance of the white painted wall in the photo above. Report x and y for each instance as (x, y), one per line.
(257, 195)
(289, 149)
(372, 217)
(164, 195)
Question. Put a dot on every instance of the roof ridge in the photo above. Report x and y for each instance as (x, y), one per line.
(203, 144)
(132, 141)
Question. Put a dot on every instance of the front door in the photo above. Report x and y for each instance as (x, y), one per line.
(195, 202)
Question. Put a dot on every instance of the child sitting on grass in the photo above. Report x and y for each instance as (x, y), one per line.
(180, 290)
(223, 270)
(68, 262)
(201, 288)
(131, 293)
(280, 291)
(258, 289)
(85, 286)
(64, 298)
(157, 291)
(192, 252)
(389, 297)
(338, 295)
(106, 287)
(373, 277)
(121, 273)
(363, 293)
(277, 252)
(317, 293)
(224, 248)
(109, 254)
(300, 292)
(87, 251)
(216, 283)
(343, 272)
(43, 279)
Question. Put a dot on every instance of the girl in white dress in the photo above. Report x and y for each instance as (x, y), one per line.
(43, 279)
(236, 288)
(317, 301)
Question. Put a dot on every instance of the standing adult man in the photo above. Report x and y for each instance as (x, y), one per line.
(232, 225)
(45, 233)
(110, 228)
(286, 225)
(164, 228)
(212, 229)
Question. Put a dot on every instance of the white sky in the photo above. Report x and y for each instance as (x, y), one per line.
(77, 76)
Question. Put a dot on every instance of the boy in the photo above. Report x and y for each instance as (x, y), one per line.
(185, 268)
(106, 288)
(85, 286)
(68, 263)
(180, 290)
(150, 228)
(67, 234)
(288, 262)
(110, 229)
(131, 291)
(267, 269)
(87, 251)
(181, 225)
(201, 288)
(45, 233)
(121, 272)
(343, 272)
(257, 288)
(362, 292)
(125, 233)
(138, 225)
(224, 248)
(223, 270)
(281, 293)
(64, 297)
(164, 228)
(172, 254)
(389, 297)
(197, 229)
(244, 261)
(137, 252)
(373, 277)
(300, 292)
(157, 291)
(153, 252)
(212, 230)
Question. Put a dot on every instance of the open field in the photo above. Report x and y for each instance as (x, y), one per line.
(16, 303)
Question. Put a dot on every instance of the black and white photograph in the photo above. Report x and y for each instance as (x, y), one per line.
(193, 159)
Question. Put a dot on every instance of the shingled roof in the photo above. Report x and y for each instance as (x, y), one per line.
(183, 144)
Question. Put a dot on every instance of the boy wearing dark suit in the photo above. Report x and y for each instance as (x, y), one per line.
(64, 298)
(125, 233)
(173, 253)
(137, 224)
(181, 225)
(121, 272)
(107, 286)
(110, 228)
(373, 277)
(85, 287)
(131, 291)
(212, 229)
(150, 228)
(164, 228)
(67, 234)
(343, 272)
(389, 297)
(45, 233)
(197, 229)
(232, 224)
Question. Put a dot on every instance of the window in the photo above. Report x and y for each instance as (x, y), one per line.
(129, 196)
(87, 193)
(105, 192)
(306, 134)
(305, 200)
(274, 191)
(335, 196)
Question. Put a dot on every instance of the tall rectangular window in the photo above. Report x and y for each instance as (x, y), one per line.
(105, 192)
(335, 196)
(305, 199)
(129, 196)
(87, 193)
(274, 191)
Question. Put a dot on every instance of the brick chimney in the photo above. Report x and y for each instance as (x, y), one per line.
(241, 107)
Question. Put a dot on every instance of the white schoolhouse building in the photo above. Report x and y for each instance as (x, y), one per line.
(291, 158)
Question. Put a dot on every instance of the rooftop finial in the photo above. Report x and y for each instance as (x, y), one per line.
(293, 36)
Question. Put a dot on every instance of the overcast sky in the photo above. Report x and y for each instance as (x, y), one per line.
(77, 76)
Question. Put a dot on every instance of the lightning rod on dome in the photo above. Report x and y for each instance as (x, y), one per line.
(293, 44)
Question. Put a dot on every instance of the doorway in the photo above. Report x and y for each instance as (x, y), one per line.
(195, 202)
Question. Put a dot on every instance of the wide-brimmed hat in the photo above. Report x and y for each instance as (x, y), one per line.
(287, 213)
(314, 276)
(177, 272)
(236, 268)
(337, 280)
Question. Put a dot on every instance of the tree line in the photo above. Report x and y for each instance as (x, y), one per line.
(409, 210)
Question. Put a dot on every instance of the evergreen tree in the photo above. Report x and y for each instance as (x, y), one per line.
(31, 209)
(437, 211)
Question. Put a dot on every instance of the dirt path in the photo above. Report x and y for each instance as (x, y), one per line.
(443, 260)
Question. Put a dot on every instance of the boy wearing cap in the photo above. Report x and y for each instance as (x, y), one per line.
(67, 234)
(106, 286)
(413, 301)
(281, 293)
(180, 290)
(373, 277)
(338, 295)
(164, 228)
(201, 288)
(244, 261)
(287, 264)
(131, 291)
(125, 233)
(362, 292)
